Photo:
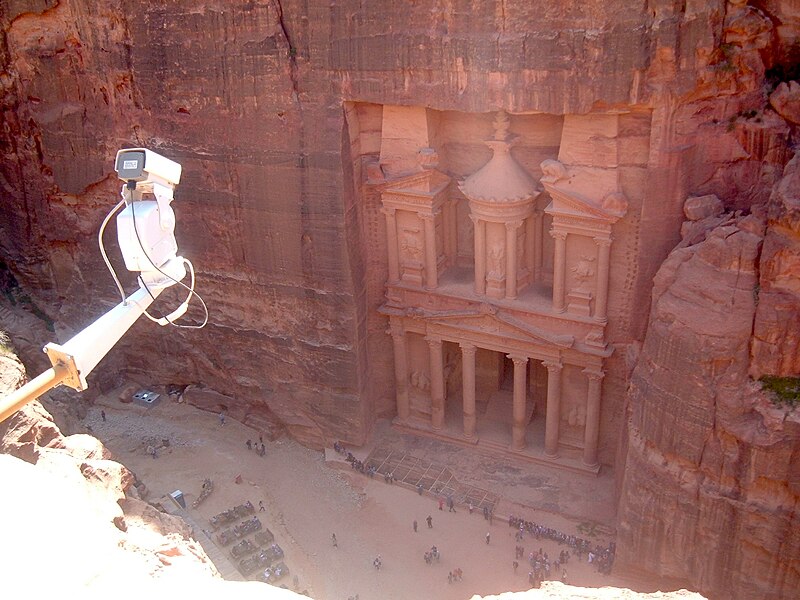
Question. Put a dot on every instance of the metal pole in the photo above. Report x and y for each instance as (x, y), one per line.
(32, 390)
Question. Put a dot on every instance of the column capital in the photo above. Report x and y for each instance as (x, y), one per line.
(594, 374)
(518, 359)
(395, 330)
(475, 219)
(433, 341)
(428, 216)
(513, 225)
(553, 366)
(603, 241)
(467, 347)
(558, 234)
(389, 211)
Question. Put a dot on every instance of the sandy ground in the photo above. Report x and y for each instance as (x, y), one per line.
(306, 501)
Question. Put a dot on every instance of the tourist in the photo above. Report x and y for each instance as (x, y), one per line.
(261, 506)
(419, 489)
(450, 504)
(249, 444)
(515, 564)
(430, 522)
(470, 508)
(487, 538)
(333, 540)
(485, 513)
(103, 415)
(221, 419)
(414, 525)
(441, 504)
(263, 450)
(450, 577)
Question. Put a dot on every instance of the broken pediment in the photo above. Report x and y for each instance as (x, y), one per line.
(569, 201)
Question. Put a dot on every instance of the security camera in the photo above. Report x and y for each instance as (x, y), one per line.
(145, 166)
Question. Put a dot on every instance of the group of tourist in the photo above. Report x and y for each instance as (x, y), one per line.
(601, 558)
(541, 566)
(261, 450)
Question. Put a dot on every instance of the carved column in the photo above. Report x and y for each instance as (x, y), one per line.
(603, 260)
(400, 370)
(511, 259)
(538, 241)
(431, 275)
(530, 248)
(520, 395)
(553, 408)
(437, 382)
(559, 269)
(452, 231)
(391, 244)
(591, 433)
(468, 385)
(480, 254)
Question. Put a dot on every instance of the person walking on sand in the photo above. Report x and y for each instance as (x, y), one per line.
(441, 504)
(333, 540)
(487, 539)
(414, 525)
(221, 419)
(430, 522)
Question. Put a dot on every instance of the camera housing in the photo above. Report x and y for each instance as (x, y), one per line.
(145, 166)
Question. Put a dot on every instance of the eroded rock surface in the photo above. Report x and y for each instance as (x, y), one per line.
(710, 490)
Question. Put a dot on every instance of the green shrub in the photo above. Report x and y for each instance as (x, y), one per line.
(785, 390)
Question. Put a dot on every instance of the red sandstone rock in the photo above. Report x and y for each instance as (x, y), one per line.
(776, 331)
(276, 114)
(702, 207)
(786, 101)
(707, 493)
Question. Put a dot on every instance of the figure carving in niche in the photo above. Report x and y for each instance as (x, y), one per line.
(420, 381)
(583, 269)
(411, 245)
(496, 260)
(576, 417)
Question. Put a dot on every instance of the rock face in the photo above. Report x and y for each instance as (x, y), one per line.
(272, 207)
(281, 113)
(776, 337)
(710, 491)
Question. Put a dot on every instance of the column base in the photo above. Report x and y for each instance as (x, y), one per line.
(549, 455)
(518, 447)
(594, 465)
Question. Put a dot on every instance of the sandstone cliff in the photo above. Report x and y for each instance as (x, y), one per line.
(711, 485)
(251, 97)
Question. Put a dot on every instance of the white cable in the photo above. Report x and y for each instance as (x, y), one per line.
(168, 276)
(103, 250)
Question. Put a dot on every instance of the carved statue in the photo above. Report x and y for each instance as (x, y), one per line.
(583, 269)
(411, 245)
(496, 260)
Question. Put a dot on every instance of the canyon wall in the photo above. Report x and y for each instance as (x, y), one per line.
(275, 110)
(251, 98)
(711, 484)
